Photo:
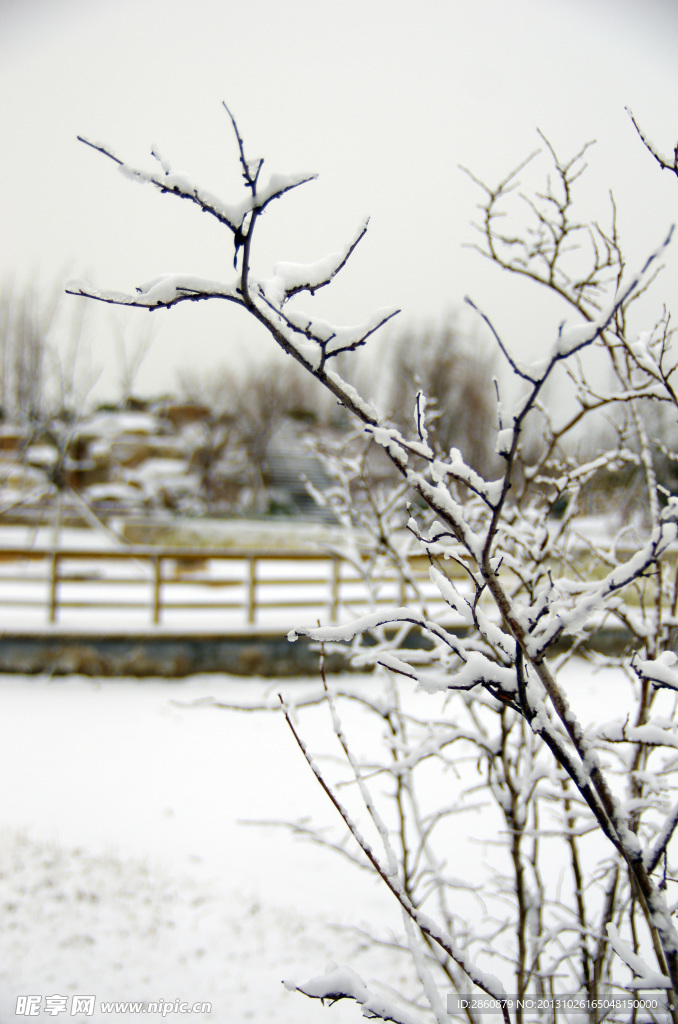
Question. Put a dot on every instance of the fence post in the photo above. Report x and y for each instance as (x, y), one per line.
(157, 580)
(252, 590)
(336, 587)
(53, 584)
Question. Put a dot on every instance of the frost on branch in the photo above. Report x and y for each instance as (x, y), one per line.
(289, 279)
(162, 292)
(343, 983)
(645, 977)
(232, 216)
(308, 339)
(521, 580)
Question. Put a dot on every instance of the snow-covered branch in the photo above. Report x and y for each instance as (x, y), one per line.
(290, 279)
(485, 981)
(160, 293)
(519, 572)
(343, 983)
(170, 182)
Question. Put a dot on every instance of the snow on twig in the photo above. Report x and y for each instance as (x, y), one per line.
(485, 981)
(231, 216)
(160, 293)
(289, 279)
(645, 978)
(343, 983)
(572, 619)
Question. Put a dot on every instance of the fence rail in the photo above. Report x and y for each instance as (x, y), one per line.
(162, 586)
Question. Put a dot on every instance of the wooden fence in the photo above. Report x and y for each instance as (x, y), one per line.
(156, 585)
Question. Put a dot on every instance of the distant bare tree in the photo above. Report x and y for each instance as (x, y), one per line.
(211, 436)
(455, 372)
(243, 411)
(41, 353)
(131, 355)
(26, 320)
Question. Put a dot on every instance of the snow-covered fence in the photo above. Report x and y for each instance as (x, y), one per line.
(159, 585)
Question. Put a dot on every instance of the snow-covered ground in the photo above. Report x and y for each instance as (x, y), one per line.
(127, 871)
(130, 869)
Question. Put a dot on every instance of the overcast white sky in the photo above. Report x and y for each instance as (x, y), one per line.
(384, 98)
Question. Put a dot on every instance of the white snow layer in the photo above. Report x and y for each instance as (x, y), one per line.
(164, 290)
(126, 870)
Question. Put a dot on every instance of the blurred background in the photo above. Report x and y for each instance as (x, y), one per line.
(385, 100)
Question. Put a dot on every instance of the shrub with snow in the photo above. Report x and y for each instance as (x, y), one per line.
(529, 588)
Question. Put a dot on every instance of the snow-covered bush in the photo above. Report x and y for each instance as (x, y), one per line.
(527, 582)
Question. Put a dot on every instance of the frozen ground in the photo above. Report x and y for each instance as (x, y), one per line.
(125, 872)
(128, 873)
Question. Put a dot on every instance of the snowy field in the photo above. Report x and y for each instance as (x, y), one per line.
(128, 868)
(126, 871)
(131, 869)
